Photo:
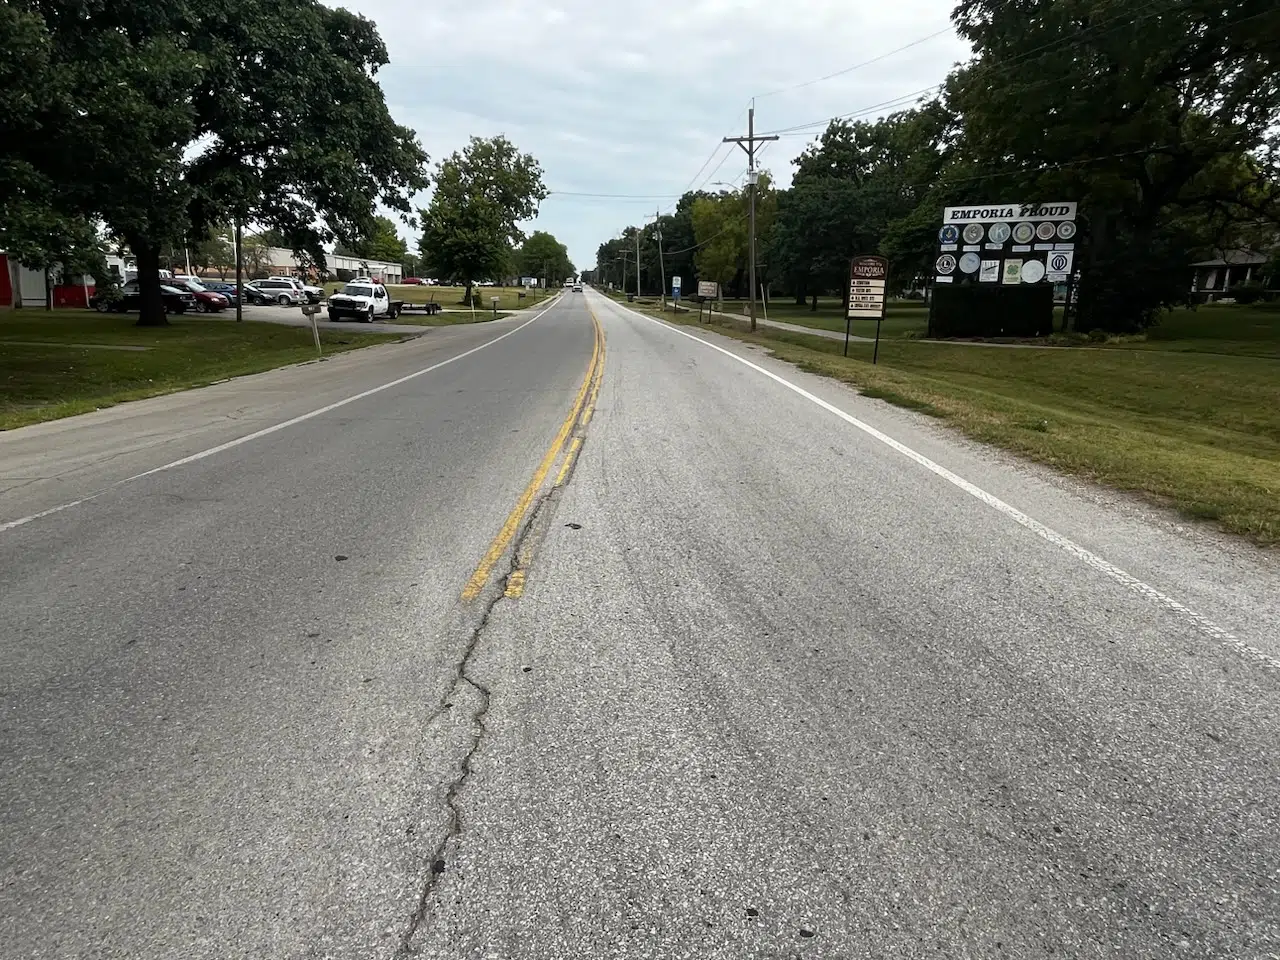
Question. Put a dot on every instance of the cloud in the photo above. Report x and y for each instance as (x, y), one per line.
(632, 98)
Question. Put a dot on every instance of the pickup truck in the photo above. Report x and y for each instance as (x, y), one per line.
(363, 299)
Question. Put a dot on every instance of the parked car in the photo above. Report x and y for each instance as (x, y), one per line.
(228, 290)
(207, 301)
(282, 290)
(413, 282)
(363, 299)
(253, 294)
(313, 294)
(128, 297)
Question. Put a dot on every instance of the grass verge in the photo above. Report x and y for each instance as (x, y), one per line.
(52, 363)
(1196, 429)
(449, 318)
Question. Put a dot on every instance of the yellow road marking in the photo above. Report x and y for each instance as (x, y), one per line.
(500, 543)
(515, 584)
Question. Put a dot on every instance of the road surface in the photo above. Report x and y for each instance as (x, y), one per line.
(500, 644)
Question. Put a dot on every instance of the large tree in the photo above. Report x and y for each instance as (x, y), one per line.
(164, 120)
(1148, 114)
(482, 193)
(542, 255)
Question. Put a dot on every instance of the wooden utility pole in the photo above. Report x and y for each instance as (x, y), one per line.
(748, 143)
(662, 267)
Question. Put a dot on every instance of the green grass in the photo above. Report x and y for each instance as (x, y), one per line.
(1185, 422)
(47, 382)
(449, 318)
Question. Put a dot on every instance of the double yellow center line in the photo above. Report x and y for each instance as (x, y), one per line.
(579, 416)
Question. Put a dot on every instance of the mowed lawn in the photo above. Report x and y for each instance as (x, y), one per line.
(902, 317)
(63, 362)
(1189, 416)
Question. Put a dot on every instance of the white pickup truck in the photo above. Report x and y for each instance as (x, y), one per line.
(363, 299)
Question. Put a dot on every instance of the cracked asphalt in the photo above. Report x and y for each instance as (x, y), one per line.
(773, 689)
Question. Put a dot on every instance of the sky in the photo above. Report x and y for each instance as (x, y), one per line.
(632, 98)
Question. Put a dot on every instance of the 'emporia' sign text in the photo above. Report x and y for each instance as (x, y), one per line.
(996, 212)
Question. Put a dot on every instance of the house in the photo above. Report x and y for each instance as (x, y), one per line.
(1215, 278)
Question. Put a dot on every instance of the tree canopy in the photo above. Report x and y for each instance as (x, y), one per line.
(543, 256)
(165, 120)
(381, 243)
(482, 193)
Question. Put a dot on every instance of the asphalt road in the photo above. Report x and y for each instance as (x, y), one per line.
(766, 670)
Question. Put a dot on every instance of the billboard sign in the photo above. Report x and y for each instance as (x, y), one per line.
(1006, 243)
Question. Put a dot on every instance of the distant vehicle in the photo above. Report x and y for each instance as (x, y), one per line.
(313, 294)
(282, 290)
(363, 299)
(128, 298)
(207, 301)
(413, 281)
(577, 288)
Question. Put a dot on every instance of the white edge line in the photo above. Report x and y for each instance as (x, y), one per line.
(275, 428)
(1035, 526)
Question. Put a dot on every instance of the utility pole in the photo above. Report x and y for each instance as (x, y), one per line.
(639, 230)
(239, 242)
(662, 267)
(748, 143)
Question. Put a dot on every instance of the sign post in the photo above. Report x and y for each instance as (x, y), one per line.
(867, 279)
(675, 294)
(311, 309)
(708, 291)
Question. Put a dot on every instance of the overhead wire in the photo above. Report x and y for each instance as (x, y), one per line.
(858, 66)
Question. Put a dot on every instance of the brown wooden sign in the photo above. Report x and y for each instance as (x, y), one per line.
(867, 279)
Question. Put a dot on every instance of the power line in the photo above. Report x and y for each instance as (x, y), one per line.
(858, 66)
(614, 196)
(863, 111)
(1078, 39)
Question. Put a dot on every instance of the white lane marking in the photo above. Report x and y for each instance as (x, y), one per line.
(1035, 526)
(10, 524)
(275, 428)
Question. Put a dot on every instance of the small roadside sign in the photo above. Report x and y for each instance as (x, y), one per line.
(708, 289)
(867, 279)
(675, 287)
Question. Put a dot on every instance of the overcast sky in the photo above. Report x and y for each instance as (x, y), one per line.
(633, 97)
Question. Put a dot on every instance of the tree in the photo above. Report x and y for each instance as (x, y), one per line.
(382, 242)
(265, 112)
(1148, 115)
(542, 255)
(254, 253)
(481, 195)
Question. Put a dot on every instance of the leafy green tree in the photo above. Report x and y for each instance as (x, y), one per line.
(543, 256)
(481, 195)
(720, 226)
(381, 243)
(1144, 113)
(165, 120)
